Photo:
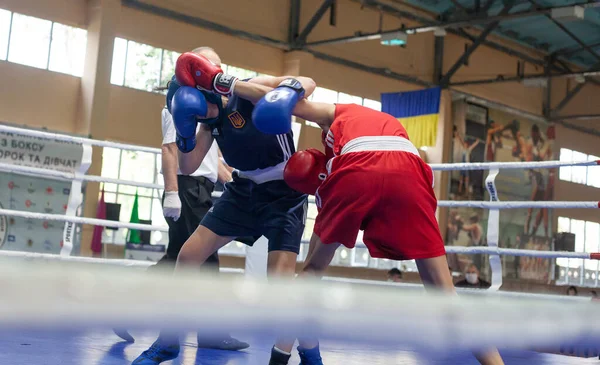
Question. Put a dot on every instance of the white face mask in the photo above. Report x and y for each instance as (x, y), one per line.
(471, 278)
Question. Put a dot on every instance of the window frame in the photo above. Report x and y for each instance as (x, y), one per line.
(50, 41)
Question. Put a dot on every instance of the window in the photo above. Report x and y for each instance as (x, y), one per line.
(373, 104)
(240, 72)
(41, 43)
(565, 156)
(5, 22)
(324, 95)
(330, 96)
(29, 41)
(140, 167)
(593, 173)
(579, 173)
(167, 69)
(117, 71)
(142, 67)
(589, 175)
(349, 99)
(587, 239)
(66, 54)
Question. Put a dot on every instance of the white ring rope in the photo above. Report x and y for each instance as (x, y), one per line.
(441, 203)
(509, 165)
(435, 167)
(519, 204)
(147, 227)
(65, 296)
(472, 250)
(73, 139)
(36, 171)
(31, 256)
(82, 220)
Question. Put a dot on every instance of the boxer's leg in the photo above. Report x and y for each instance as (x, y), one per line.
(199, 247)
(434, 274)
(318, 259)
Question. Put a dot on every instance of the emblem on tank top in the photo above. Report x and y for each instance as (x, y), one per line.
(237, 120)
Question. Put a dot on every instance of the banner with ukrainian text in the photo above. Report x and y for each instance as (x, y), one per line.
(418, 111)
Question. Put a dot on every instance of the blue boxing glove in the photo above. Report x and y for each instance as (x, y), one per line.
(273, 113)
(187, 104)
(173, 86)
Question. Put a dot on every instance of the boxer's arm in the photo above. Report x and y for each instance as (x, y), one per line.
(224, 173)
(320, 113)
(308, 84)
(190, 162)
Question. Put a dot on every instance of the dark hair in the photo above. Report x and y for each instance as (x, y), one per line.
(573, 288)
(593, 293)
(535, 128)
(395, 271)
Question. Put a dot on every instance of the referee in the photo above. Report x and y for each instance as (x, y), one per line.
(186, 199)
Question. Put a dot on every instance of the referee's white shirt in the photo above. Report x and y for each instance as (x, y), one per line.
(210, 165)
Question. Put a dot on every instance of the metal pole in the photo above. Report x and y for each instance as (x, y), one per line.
(438, 61)
(526, 77)
(314, 20)
(294, 22)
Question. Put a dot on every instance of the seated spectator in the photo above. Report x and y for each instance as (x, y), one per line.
(395, 275)
(472, 279)
(572, 291)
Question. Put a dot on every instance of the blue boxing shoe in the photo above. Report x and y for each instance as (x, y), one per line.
(310, 356)
(157, 353)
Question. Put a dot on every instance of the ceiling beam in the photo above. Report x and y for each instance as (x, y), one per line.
(570, 95)
(312, 23)
(381, 71)
(544, 75)
(577, 117)
(567, 51)
(294, 21)
(469, 51)
(203, 23)
(431, 25)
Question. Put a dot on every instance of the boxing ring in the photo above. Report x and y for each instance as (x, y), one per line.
(59, 309)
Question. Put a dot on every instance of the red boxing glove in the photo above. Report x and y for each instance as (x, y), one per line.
(306, 170)
(196, 70)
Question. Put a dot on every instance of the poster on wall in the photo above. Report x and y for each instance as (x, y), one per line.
(35, 194)
(488, 135)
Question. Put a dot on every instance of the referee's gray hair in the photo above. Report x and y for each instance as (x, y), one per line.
(204, 48)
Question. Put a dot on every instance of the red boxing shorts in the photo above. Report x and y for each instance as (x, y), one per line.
(389, 195)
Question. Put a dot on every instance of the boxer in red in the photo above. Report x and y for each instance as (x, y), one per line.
(371, 178)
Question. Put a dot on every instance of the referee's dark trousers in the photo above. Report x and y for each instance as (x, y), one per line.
(195, 195)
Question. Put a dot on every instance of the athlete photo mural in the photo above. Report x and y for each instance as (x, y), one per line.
(482, 134)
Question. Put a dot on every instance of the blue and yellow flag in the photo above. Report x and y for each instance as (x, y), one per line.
(418, 111)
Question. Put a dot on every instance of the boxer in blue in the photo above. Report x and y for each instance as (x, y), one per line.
(257, 202)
